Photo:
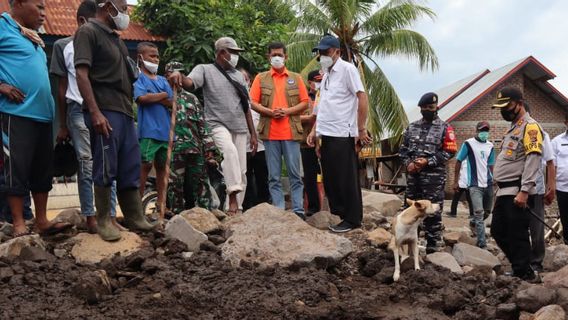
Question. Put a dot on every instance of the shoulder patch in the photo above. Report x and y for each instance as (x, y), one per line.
(533, 139)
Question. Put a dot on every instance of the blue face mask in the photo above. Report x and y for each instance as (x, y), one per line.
(483, 136)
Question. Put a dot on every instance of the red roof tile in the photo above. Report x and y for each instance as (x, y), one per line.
(61, 21)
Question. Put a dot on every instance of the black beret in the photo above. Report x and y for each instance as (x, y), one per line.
(428, 98)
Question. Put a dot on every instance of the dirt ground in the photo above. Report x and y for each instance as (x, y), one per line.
(158, 283)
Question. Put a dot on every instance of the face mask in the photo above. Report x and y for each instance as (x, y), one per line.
(508, 115)
(234, 60)
(317, 85)
(483, 135)
(121, 20)
(326, 62)
(151, 67)
(277, 62)
(428, 115)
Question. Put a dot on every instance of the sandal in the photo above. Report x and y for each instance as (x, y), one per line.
(55, 228)
(232, 213)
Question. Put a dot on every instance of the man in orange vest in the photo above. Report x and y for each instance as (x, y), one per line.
(280, 97)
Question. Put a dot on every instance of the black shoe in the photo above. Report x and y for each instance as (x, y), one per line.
(342, 227)
(430, 250)
(301, 215)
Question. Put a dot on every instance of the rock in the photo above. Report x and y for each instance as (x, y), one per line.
(7, 229)
(209, 246)
(13, 247)
(72, 216)
(534, 298)
(91, 249)
(3, 237)
(526, 316)
(186, 255)
(445, 260)
(550, 312)
(92, 286)
(452, 238)
(6, 273)
(202, 220)
(558, 279)
(157, 296)
(220, 215)
(374, 217)
(216, 239)
(465, 230)
(468, 255)
(35, 254)
(379, 237)
(322, 220)
(555, 257)
(179, 228)
(60, 253)
(466, 269)
(507, 311)
(387, 204)
(562, 297)
(270, 236)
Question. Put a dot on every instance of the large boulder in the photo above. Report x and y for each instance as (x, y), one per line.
(550, 312)
(379, 237)
(269, 236)
(323, 220)
(387, 204)
(179, 228)
(72, 216)
(558, 279)
(468, 255)
(91, 249)
(202, 220)
(556, 257)
(534, 298)
(445, 260)
(13, 247)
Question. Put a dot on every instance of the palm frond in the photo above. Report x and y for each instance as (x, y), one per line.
(300, 47)
(395, 15)
(402, 42)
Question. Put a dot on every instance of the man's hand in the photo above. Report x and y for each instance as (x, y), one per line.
(363, 139)
(101, 124)
(167, 103)
(62, 134)
(279, 113)
(549, 197)
(456, 187)
(411, 168)
(420, 163)
(521, 199)
(175, 79)
(253, 144)
(12, 93)
(311, 139)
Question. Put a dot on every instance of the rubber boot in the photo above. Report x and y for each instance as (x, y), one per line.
(131, 206)
(105, 228)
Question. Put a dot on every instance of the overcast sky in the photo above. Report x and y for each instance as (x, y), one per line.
(472, 35)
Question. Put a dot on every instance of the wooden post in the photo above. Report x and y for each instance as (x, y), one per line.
(169, 154)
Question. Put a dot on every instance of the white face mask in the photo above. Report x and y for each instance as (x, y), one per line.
(317, 85)
(234, 60)
(151, 67)
(121, 20)
(277, 62)
(326, 62)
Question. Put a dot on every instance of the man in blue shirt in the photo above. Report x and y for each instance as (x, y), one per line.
(26, 111)
(154, 96)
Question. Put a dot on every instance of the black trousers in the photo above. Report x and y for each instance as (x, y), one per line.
(257, 181)
(340, 179)
(563, 210)
(456, 199)
(311, 170)
(510, 229)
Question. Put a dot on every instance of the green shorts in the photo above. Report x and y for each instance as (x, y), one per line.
(153, 150)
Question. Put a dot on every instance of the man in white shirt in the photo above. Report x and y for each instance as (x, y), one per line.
(480, 156)
(341, 116)
(560, 158)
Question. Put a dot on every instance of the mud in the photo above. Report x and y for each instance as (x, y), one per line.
(160, 282)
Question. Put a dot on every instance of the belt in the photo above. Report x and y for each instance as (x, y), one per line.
(508, 184)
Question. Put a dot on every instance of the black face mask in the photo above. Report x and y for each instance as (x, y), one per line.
(428, 115)
(508, 115)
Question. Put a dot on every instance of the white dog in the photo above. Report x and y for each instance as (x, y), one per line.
(405, 231)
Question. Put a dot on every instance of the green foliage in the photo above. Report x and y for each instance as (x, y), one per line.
(367, 29)
(192, 26)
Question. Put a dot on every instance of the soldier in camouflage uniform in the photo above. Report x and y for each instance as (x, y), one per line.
(192, 152)
(427, 146)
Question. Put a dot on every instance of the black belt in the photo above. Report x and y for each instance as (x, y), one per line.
(508, 184)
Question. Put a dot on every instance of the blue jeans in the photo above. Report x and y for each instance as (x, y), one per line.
(481, 201)
(275, 149)
(82, 144)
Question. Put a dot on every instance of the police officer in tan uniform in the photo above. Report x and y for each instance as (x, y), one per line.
(516, 171)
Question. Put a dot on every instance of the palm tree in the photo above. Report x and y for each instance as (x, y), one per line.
(366, 30)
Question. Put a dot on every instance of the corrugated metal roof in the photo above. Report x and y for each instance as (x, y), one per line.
(61, 21)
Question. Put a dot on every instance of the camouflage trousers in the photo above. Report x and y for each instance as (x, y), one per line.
(190, 183)
(422, 187)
